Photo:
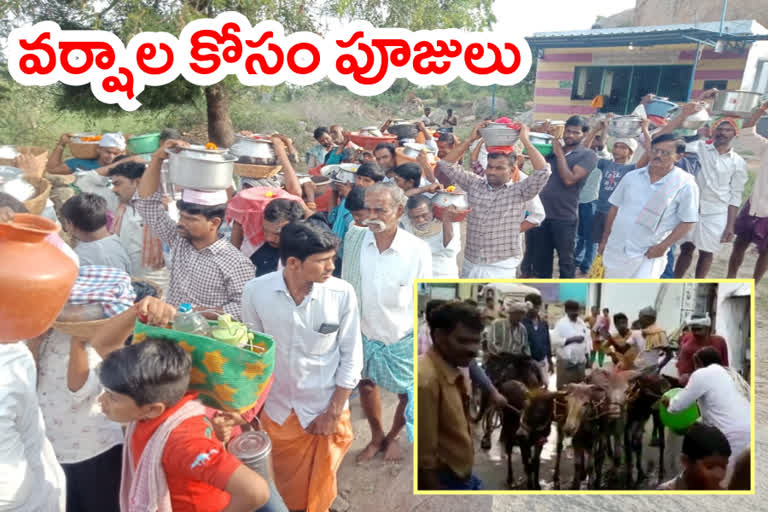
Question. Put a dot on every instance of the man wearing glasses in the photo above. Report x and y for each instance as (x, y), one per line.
(651, 209)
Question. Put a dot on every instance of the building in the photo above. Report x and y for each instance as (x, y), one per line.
(621, 63)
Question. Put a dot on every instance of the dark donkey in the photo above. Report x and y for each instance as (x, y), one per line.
(642, 395)
(500, 369)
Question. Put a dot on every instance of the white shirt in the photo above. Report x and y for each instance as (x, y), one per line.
(640, 111)
(721, 179)
(131, 237)
(575, 352)
(387, 284)
(720, 403)
(630, 239)
(74, 421)
(758, 202)
(444, 263)
(535, 209)
(308, 365)
(30, 478)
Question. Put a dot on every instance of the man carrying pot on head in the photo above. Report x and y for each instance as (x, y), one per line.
(442, 236)
(314, 320)
(381, 264)
(497, 203)
(721, 180)
(651, 209)
(206, 270)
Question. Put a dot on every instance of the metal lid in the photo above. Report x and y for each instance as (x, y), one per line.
(211, 155)
(255, 137)
(250, 445)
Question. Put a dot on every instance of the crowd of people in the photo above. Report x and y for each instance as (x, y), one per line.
(455, 334)
(327, 269)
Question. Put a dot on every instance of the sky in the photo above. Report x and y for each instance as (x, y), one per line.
(528, 16)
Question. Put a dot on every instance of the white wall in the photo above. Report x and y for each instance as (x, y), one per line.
(732, 321)
(757, 52)
(631, 298)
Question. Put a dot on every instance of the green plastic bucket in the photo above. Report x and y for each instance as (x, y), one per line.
(678, 422)
(147, 143)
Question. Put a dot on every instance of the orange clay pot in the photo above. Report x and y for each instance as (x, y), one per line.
(35, 278)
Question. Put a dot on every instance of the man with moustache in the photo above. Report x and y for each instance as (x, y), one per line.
(206, 270)
(442, 236)
(651, 209)
(381, 263)
(385, 158)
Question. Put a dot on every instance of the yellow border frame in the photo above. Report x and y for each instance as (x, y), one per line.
(416, 282)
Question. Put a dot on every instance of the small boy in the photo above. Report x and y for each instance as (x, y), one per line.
(704, 459)
(171, 457)
(84, 216)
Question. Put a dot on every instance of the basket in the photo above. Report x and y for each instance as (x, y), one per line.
(84, 150)
(80, 329)
(369, 143)
(39, 160)
(228, 378)
(257, 171)
(36, 205)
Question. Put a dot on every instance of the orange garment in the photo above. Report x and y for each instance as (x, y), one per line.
(305, 464)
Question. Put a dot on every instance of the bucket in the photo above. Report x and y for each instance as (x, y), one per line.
(141, 144)
(254, 449)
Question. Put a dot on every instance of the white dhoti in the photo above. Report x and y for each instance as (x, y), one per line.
(707, 232)
(504, 269)
(619, 265)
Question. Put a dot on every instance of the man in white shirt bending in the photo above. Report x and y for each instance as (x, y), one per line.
(442, 236)
(381, 262)
(720, 402)
(314, 320)
(571, 343)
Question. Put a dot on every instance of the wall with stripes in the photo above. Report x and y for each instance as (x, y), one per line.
(553, 101)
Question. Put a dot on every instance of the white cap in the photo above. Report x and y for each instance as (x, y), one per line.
(112, 140)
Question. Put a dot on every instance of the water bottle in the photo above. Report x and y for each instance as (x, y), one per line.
(191, 321)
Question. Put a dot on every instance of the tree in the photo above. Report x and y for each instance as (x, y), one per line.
(126, 18)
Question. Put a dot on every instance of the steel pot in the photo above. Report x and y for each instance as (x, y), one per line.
(260, 151)
(404, 131)
(254, 449)
(412, 150)
(12, 182)
(736, 103)
(697, 120)
(540, 138)
(499, 134)
(199, 168)
(446, 199)
(342, 173)
(370, 131)
(625, 126)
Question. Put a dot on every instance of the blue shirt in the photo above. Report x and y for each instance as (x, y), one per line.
(538, 339)
(611, 176)
(82, 163)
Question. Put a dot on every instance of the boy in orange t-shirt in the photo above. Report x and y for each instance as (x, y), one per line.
(172, 461)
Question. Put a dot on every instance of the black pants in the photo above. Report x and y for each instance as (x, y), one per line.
(93, 485)
(553, 235)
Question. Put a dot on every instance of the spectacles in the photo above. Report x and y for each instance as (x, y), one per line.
(661, 152)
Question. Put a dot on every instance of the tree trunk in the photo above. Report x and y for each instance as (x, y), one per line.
(219, 123)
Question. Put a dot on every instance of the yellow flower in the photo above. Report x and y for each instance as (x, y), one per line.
(269, 194)
(450, 188)
(211, 145)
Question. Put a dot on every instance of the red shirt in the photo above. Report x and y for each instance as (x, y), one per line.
(196, 485)
(688, 347)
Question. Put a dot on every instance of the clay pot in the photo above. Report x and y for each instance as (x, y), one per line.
(35, 278)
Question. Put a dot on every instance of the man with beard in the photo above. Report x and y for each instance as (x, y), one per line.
(651, 209)
(206, 270)
(381, 263)
(443, 237)
(721, 180)
(571, 164)
(446, 447)
(385, 157)
(316, 155)
(497, 203)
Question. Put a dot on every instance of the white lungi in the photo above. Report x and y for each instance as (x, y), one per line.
(633, 268)
(504, 269)
(707, 233)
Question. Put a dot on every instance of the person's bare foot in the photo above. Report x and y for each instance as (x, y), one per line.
(392, 452)
(369, 452)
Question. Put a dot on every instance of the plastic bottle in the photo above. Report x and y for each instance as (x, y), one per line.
(191, 321)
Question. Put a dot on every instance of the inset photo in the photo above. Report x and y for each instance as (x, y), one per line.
(595, 387)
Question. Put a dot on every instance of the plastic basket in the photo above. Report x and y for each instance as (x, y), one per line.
(227, 377)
